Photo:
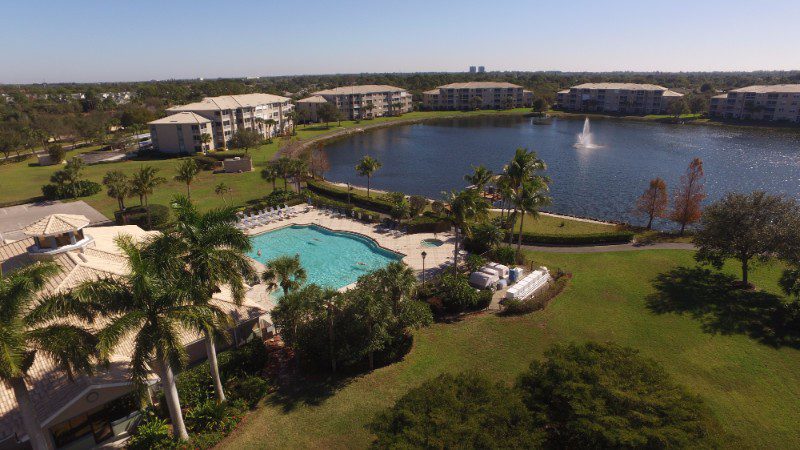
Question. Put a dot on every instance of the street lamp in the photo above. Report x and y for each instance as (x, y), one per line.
(424, 254)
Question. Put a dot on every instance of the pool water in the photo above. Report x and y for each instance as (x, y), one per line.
(432, 243)
(332, 259)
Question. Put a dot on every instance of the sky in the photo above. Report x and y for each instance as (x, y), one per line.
(125, 40)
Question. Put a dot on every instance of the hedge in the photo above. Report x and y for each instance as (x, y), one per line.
(84, 188)
(159, 216)
(538, 301)
(357, 199)
(364, 214)
(428, 223)
(279, 197)
(612, 237)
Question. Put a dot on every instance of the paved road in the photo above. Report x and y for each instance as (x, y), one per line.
(609, 248)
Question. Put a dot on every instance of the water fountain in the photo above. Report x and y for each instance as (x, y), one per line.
(585, 139)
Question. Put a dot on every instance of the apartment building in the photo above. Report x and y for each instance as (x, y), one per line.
(477, 95)
(266, 113)
(780, 102)
(617, 98)
(182, 133)
(359, 102)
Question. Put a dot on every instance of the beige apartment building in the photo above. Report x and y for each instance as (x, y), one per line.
(359, 102)
(181, 133)
(477, 95)
(780, 102)
(266, 113)
(617, 98)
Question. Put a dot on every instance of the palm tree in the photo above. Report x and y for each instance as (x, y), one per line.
(213, 250)
(298, 168)
(331, 302)
(398, 282)
(529, 199)
(464, 208)
(118, 185)
(480, 177)
(270, 174)
(186, 173)
(524, 166)
(31, 326)
(205, 139)
(143, 183)
(286, 272)
(221, 189)
(153, 305)
(292, 310)
(366, 167)
(283, 166)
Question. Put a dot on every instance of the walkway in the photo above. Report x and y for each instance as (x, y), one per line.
(609, 248)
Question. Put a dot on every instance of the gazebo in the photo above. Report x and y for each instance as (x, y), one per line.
(58, 233)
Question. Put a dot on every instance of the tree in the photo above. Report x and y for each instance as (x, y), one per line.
(746, 227)
(328, 113)
(186, 172)
(246, 139)
(213, 250)
(687, 199)
(143, 183)
(606, 396)
(480, 177)
(56, 153)
(270, 174)
(528, 199)
(205, 139)
(36, 327)
(677, 107)
(524, 167)
(458, 411)
(397, 281)
(476, 102)
(318, 162)
(154, 305)
(653, 202)
(71, 175)
(283, 167)
(298, 169)
(463, 208)
(10, 140)
(286, 272)
(540, 105)
(417, 204)
(697, 104)
(118, 186)
(367, 167)
(222, 189)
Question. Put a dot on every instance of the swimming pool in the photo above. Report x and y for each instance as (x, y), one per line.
(332, 259)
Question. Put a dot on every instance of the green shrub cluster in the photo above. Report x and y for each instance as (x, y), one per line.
(504, 255)
(451, 293)
(361, 213)
(428, 223)
(151, 433)
(370, 203)
(82, 188)
(159, 216)
(611, 237)
(275, 198)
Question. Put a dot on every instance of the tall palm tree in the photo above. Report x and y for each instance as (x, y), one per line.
(286, 272)
(222, 189)
(143, 184)
(529, 199)
(213, 250)
(331, 300)
(118, 185)
(153, 305)
(30, 326)
(186, 173)
(524, 166)
(463, 209)
(398, 282)
(205, 139)
(270, 174)
(292, 310)
(366, 167)
(283, 166)
(480, 177)
(298, 169)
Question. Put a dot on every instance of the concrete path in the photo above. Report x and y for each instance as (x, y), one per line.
(609, 248)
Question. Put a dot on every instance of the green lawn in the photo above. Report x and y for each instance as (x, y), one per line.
(544, 224)
(23, 180)
(751, 389)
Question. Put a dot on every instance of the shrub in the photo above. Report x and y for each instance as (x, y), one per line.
(485, 236)
(513, 307)
(82, 188)
(151, 433)
(374, 204)
(56, 153)
(504, 255)
(611, 237)
(248, 388)
(475, 262)
(428, 223)
(417, 204)
(205, 162)
(456, 295)
(210, 416)
(159, 216)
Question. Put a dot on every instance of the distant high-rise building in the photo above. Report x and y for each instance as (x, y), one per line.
(481, 69)
(472, 69)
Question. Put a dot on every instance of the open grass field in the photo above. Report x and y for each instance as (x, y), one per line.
(751, 389)
(545, 224)
(23, 180)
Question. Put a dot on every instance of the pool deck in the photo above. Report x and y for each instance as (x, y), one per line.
(410, 245)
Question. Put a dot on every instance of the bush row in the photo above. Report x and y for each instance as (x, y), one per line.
(275, 198)
(159, 216)
(361, 213)
(611, 237)
(538, 301)
(428, 223)
(373, 204)
(82, 188)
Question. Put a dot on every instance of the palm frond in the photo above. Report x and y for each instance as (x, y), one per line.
(73, 348)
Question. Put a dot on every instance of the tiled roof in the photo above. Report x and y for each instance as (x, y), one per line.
(669, 93)
(770, 89)
(479, 85)
(361, 89)
(313, 99)
(56, 224)
(230, 102)
(183, 117)
(627, 86)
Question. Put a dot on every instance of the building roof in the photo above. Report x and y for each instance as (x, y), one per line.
(55, 224)
(360, 89)
(432, 92)
(720, 96)
(770, 89)
(50, 389)
(627, 86)
(564, 91)
(479, 85)
(669, 93)
(182, 117)
(313, 99)
(230, 102)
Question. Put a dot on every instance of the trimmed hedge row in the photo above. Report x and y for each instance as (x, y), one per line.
(82, 188)
(428, 223)
(356, 199)
(363, 214)
(611, 237)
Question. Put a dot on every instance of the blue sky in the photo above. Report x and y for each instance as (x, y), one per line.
(50, 41)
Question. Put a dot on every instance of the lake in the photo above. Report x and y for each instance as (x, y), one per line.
(431, 157)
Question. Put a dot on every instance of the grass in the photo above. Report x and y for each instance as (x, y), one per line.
(751, 389)
(545, 224)
(23, 180)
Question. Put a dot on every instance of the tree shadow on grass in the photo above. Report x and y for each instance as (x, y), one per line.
(714, 300)
(311, 391)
